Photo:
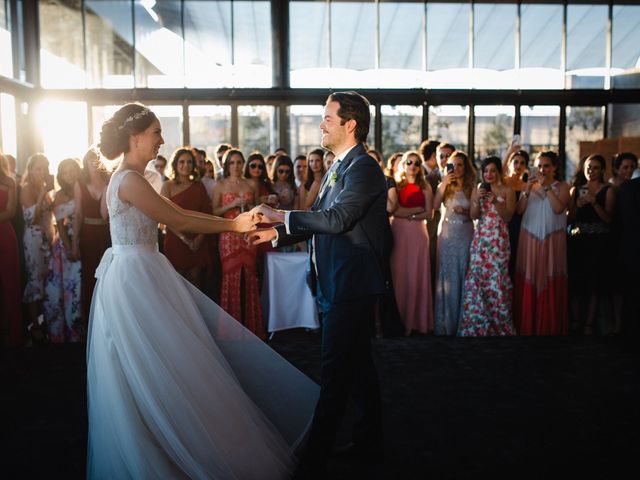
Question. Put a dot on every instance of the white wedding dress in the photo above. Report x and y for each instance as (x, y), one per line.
(176, 387)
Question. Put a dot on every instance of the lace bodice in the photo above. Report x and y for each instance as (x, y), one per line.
(458, 199)
(128, 225)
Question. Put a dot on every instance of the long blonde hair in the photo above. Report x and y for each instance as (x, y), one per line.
(33, 160)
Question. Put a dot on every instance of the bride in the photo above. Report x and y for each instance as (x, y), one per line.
(176, 387)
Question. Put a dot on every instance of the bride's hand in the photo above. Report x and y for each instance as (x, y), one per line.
(245, 222)
(269, 214)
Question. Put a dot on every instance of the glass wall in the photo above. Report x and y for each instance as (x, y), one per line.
(8, 131)
(257, 129)
(625, 59)
(539, 128)
(624, 120)
(583, 124)
(170, 117)
(209, 126)
(493, 130)
(401, 128)
(448, 45)
(449, 123)
(252, 50)
(304, 128)
(586, 46)
(6, 54)
(494, 42)
(64, 130)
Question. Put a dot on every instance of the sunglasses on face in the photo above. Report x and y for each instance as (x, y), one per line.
(417, 163)
(255, 166)
(282, 171)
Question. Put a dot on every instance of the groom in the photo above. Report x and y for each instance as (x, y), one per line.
(346, 227)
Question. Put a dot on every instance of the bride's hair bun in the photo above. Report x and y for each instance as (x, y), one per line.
(131, 119)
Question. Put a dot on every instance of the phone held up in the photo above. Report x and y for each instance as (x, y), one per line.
(485, 186)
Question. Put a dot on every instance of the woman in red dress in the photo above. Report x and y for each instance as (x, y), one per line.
(10, 307)
(239, 290)
(188, 253)
(410, 265)
(91, 228)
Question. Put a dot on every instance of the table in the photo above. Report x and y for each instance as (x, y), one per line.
(286, 298)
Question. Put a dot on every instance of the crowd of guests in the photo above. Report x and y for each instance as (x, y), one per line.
(506, 248)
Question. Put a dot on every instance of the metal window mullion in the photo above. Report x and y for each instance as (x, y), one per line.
(471, 132)
(562, 139)
(186, 126)
(378, 128)
(425, 120)
(234, 124)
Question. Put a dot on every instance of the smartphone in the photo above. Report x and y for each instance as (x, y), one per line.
(583, 191)
(525, 177)
(449, 167)
(486, 186)
(49, 185)
(516, 140)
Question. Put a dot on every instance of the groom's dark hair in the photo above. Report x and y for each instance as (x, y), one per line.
(353, 106)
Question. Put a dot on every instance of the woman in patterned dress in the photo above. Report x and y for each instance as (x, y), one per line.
(62, 287)
(488, 288)
(454, 240)
(239, 290)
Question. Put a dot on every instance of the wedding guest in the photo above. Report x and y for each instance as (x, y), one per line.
(62, 298)
(392, 191)
(517, 165)
(188, 253)
(392, 164)
(328, 160)
(433, 176)
(308, 191)
(284, 183)
(487, 287)
(540, 298)
(220, 149)
(231, 196)
(11, 332)
(454, 240)
(624, 165)
(270, 161)
(91, 225)
(300, 166)
(590, 214)
(410, 263)
(443, 153)
(160, 164)
(35, 199)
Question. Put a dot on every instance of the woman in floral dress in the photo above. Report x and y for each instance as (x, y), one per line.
(62, 287)
(488, 288)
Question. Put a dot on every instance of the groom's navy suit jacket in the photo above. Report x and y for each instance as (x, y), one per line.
(348, 220)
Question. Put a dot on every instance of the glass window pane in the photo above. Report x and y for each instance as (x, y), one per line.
(159, 44)
(8, 133)
(308, 36)
(6, 55)
(626, 46)
(539, 128)
(583, 124)
(447, 35)
(252, 55)
(540, 47)
(494, 36)
(401, 35)
(624, 120)
(586, 45)
(401, 128)
(99, 115)
(170, 117)
(64, 130)
(256, 129)
(61, 45)
(493, 129)
(109, 43)
(449, 123)
(304, 128)
(209, 125)
(353, 35)
(207, 49)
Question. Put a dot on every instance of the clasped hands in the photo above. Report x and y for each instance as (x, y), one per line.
(261, 214)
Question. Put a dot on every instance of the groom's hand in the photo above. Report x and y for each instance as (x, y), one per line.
(262, 236)
(269, 215)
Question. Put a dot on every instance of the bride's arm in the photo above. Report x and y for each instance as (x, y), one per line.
(136, 190)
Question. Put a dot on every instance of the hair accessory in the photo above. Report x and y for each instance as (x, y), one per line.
(136, 116)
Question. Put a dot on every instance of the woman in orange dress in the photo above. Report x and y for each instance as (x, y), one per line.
(91, 228)
(188, 253)
(239, 290)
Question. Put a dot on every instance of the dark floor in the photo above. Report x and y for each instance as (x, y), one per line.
(453, 408)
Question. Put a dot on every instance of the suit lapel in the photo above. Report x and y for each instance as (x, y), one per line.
(324, 187)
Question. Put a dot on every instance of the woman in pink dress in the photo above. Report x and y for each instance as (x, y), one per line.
(10, 306)
(410, 265)
(486, 309)
(540, 299)
(188, 253)
(239, 294)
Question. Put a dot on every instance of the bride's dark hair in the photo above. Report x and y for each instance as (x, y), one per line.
(130, 119)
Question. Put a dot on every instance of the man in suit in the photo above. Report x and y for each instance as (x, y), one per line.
(346, 227)
(629, 205)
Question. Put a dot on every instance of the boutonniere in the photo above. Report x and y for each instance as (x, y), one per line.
(333, 178)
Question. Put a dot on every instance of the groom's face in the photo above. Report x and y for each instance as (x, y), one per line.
(333, 133)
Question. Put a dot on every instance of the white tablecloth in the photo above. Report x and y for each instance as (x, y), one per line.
(286, 298)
